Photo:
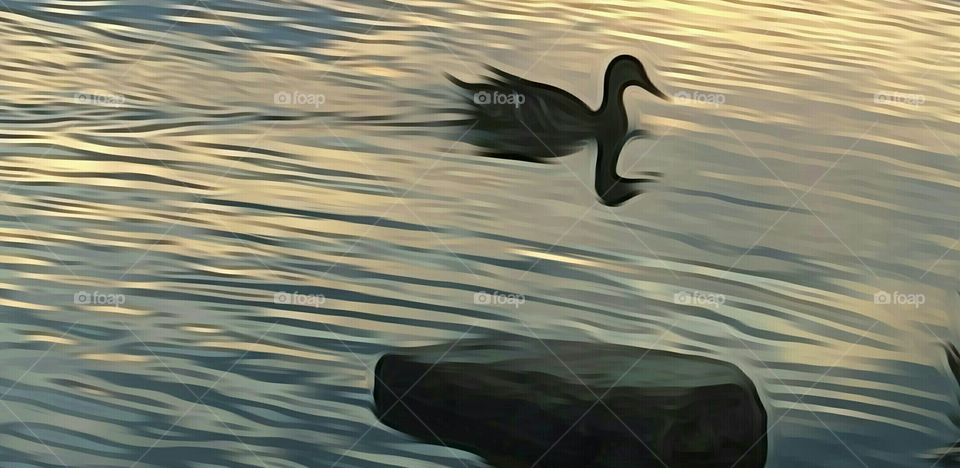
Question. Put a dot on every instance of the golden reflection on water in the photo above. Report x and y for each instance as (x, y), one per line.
(827, 173)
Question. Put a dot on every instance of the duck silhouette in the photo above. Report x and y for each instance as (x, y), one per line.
(519, 119)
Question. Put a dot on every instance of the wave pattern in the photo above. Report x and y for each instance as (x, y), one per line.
(214, 216)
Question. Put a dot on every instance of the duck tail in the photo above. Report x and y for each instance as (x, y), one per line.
(456, 80)
(499, 72)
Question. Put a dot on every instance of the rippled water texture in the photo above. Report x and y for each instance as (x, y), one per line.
(169, 223)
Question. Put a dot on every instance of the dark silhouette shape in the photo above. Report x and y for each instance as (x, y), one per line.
(951, 455)
(515, 118)
(520, 402)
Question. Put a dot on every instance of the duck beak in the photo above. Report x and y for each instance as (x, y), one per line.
(653, 90)
(645, 83)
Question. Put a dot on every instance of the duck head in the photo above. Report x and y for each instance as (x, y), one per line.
(626, 70)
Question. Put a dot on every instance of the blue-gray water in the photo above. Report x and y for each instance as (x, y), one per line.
(811, 162)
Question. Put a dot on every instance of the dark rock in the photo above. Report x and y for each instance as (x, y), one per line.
(951, 455)
(515, 403)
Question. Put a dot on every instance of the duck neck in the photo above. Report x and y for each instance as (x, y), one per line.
(612, 111)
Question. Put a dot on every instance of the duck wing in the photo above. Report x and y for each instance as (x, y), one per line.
(526, 119)
(509, 80)
(545, 108)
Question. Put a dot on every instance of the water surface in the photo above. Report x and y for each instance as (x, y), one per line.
(146, 155)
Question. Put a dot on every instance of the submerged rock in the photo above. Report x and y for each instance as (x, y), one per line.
(951, 455)
(518, 402)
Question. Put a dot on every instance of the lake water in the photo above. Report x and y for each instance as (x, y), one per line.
(216, 216)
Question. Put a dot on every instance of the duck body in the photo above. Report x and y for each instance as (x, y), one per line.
(515, 118)
(546, 122)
